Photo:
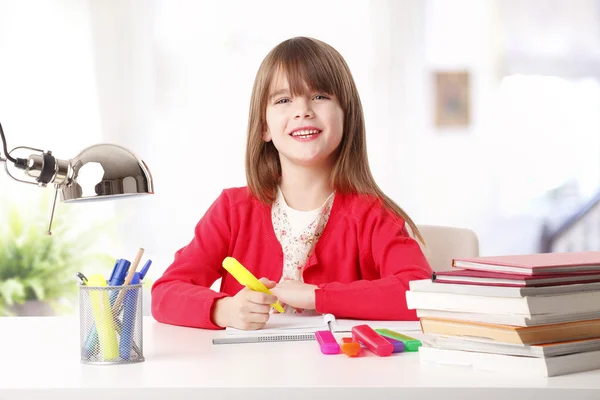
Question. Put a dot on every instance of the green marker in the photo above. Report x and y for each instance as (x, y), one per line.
(410, 344)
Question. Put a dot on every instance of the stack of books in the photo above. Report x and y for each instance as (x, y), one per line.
(536, 314)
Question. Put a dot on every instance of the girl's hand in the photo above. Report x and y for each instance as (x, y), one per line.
(296, 294)
(247, 310)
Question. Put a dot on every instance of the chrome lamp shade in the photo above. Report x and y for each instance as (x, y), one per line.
(105, 171)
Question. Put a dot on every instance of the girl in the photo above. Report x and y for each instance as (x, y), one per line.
(312, 223)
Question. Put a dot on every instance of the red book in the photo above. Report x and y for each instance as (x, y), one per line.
(534, 264)
(487, 278)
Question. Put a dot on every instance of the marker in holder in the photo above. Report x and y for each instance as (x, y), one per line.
(372, 340)
(327, 342)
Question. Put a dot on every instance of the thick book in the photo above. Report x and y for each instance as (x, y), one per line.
(301, 327)
(513, 334)
(563, 303)
(534, 264)
(489, 278)
(513, 349)
(513, 365)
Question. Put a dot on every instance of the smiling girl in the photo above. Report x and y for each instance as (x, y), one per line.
(312, 223)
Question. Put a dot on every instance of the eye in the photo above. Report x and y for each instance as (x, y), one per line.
(321, 97)
(282, 101)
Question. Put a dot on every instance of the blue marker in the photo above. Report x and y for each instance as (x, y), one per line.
(119, 273)
(129, 309)
(117, 278)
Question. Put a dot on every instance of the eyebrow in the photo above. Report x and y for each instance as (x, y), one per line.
(278, 93)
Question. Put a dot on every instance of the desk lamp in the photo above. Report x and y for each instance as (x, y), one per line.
(99, 172)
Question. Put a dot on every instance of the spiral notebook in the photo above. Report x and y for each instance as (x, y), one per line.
(299, 327)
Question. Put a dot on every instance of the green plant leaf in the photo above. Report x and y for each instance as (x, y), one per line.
(12, 291)
(37, 286)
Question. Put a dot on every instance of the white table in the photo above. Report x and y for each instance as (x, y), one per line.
(39, 358)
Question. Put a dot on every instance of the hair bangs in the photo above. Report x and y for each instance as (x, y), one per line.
(308, 69)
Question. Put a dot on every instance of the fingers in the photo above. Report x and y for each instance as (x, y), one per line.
(260, 297)
(250, 307)
(252, 321)
(268, 283)
(253, 308)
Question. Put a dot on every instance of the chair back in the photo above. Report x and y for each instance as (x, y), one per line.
(444, 243)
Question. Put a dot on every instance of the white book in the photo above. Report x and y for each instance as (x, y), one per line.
(292, 327)
(509, 319)
(513, 365)
(427, 285)
(491, 346)
(569, 303)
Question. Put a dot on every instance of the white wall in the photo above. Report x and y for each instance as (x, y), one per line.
(456, 170)
(172, 80)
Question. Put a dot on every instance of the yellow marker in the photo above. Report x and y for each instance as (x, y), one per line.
(103, 318)
(245, 277)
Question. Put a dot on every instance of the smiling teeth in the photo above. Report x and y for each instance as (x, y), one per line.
(306, 133)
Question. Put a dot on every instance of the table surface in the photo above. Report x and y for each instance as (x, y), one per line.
(40, 359)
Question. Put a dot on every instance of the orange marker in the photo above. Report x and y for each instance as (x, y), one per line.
(350, 347)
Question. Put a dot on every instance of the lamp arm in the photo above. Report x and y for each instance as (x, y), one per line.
(32, 172)
(43, 173)
(43, 167)
(5, 147)
(20, 163)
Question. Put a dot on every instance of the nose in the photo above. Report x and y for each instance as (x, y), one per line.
(303, 109)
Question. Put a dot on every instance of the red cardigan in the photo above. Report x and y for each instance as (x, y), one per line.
(362, 263)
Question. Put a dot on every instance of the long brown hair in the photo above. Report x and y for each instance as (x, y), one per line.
(307, 61)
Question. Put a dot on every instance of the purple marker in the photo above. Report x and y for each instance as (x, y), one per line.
(398, 345)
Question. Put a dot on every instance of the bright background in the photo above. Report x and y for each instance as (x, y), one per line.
(171, 80)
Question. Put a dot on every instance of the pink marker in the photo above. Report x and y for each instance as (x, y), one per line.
(372, 340)
(327, 342)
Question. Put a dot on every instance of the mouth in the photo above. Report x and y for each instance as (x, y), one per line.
(305, 133)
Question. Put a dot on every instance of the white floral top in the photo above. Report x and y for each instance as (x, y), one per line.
(298, 233)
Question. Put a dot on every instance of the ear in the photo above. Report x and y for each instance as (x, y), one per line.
(266, 136)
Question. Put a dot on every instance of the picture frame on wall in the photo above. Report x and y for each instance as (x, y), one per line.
(452, 99)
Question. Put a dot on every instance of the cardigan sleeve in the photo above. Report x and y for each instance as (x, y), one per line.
(182, 295)
(389, 253)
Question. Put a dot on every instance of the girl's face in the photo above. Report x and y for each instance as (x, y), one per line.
(305, 129)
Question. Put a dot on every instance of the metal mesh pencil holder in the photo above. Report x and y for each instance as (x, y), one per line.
(110, 324)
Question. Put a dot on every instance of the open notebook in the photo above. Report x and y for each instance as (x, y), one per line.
(294, 327)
